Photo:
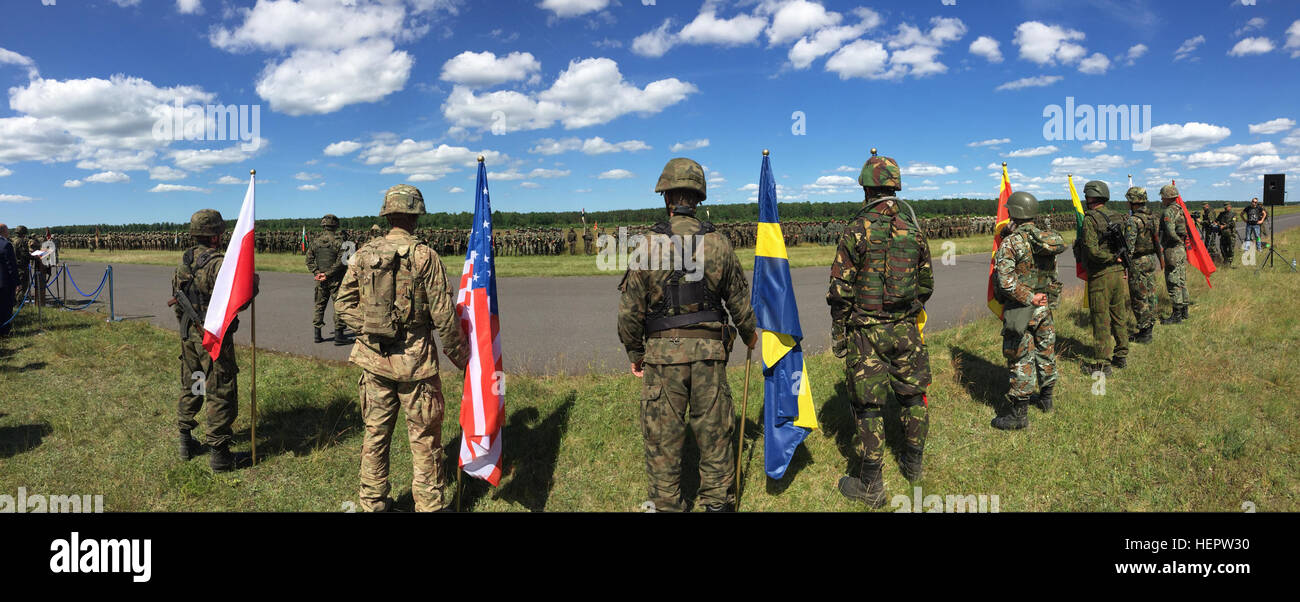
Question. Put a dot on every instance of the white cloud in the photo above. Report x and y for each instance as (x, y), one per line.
(229, 180)
(689, 145)
(572, 8)
(5, 172)
(476, 69)
(792, 20)
(455, 190)
(344, 147)
(321, 24)
(989, 142)
(863, 58)
(1095, 164)
(529, 185)
(926, 169)
(547, 174)
(1037, 81)
(9, 57)
(1293, 139)
(166, 174)
(306, 177)
(598, 146)
(831, 185)
(422, 157)
(1266, 164)
(1036, 151)
(656, 42)
(1171, 137)
(1134, 53)
(1048, 44)
(616, 174)
(707, 28)
(177, 188)
(115, 160)
(73, 183)
(201, 159)
(1251, 46)
(1095, 64)
(1211, 159)
(1188, 47)
(15, 198)
(108, 177)
(1275, 126)
(1094, 147)
(1293, 39)
(824, 42)
(189, 7)
(1262, 148)
(317, 81)
(986, 47)
(589, 92)
(422, 177)
(310, 187)
(1253, 24)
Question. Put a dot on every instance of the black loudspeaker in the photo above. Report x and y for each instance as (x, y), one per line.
(1275, 189)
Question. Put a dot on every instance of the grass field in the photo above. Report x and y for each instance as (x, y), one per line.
(1204, 419)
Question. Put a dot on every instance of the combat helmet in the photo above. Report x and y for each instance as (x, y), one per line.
(1136, 194)
(1022, 205)
(20, 231)
(403, 198)
(207, 222)
(682, 173)
(1096, 189)
(1169, 191)
(880, 172)
(329, 222)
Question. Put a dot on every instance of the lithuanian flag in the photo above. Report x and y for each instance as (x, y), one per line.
(1079, 269)
(1002, 220)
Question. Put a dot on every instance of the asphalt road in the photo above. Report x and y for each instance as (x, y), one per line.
(548, 325)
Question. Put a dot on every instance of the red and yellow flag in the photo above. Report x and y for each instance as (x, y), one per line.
(1002, 220)
(1197, 254)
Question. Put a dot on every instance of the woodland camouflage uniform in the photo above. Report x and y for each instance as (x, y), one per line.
(400, 370)
(325, 256)
(1140, 231)
(673, 325)
(1108, 301)
(1173, 238)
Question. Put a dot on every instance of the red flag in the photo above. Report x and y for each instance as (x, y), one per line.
(234, 288)
(1197, 254)
(1003, 219)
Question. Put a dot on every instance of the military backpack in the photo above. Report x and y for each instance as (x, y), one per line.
(391, 304)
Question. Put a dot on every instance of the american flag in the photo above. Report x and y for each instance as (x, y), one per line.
(482, 406)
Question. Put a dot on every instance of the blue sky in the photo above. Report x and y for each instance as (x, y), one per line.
(579, 103)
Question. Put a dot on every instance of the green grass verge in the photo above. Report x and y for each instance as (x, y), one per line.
(1203, 419)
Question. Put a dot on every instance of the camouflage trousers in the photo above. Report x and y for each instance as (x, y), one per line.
(675, 396)
(1176, 276)
(209, 383)
(1031, 356)
(881, 358)
(1142, 290)
(1111, 315)
(24, 281)
(1227, 246)
(423, 404)
(326, 290)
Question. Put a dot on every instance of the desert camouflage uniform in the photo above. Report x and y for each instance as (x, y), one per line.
(1025, 264)
(404, 374)
(686, 374)
(325, 255)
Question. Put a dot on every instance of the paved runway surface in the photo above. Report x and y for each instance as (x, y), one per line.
(548, 325)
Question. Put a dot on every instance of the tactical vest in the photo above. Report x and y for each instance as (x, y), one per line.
(1146, 243)
(887, 279)
(327, 252)
(196, 299)
(1179, 220)
(684, 302)
(1106, 231)
(391, 303)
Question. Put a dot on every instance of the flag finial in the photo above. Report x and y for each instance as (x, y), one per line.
(764, 152)
(480, 158)
(252, 172)
(873, 151)
(1004, 164)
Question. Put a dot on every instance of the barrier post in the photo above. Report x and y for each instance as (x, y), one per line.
(112, 315)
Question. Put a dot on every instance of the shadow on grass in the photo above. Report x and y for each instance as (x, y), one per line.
(30, 366)
(838, 422)
(303, 429)
(30, 326)
(15, 440)
(1070, 348)
(985, 381)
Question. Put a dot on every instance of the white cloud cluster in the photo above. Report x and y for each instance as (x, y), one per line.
(1134, 53)
(421, 160)
(480, 69)
(1093, 165)
(9, 57)
(1036, 151)
(1172, 137)
(926, 170)
(1188, 47)
(1037, 81)
(986, 47)
(616, 174)
(589, 92)
(1293, 39)
(177, 188)
(573, 8)
(689, 145)
(989, 142)
(1045, 44)
(342, 147)
(1251, 46)
(912, 51)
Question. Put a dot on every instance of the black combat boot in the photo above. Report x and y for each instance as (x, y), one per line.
(340, 339)
(1090, 368)
(1044, 398)
(1016, 417)
(1182, 313)
(189, 446)
(720, 508)
(316, 335)
(1144, 336)
(868, 488)
(910, 463)
(1119, 362)
(1176, 316)
(221, 459)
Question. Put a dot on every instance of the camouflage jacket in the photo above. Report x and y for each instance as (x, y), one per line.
(642, 288)
(1025, 264)
(416, 357)
(1173, 226)
(1227, 221)
(325, 254)
(1140, 231)
(851, 257)
(205, 280)
(1099, 258)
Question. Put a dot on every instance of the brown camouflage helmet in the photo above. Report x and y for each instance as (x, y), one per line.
(20, 231)
(1169, 191)
(403, 198)
(880, 172)
(329, 222)
(1022, 205)
(1136, 194)
(1096, 189)
(207, 222)
(682, 173)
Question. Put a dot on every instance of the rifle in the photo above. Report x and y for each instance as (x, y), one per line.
(1160, 250)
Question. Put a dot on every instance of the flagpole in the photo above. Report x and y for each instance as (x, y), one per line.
(744, 411)
(253, 326)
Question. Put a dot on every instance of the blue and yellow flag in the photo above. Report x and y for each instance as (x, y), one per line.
(788, 414)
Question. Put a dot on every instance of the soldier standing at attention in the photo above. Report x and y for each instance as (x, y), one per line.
(587, 238)
(325, 261)
(393, 295)
(205, 381)
(1226, 220)
(1027, 287)
(573, 241)
(880, 281)
(1140, 232)
(1173, 238)
(21, 244)
(673, 324)
(1103, 238)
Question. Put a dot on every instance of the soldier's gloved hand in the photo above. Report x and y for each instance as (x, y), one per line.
(840, 347)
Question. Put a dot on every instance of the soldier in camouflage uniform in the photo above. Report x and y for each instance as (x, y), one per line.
(1209, 232)
(1173, 240)
(21, 245)
(204, 381)
(674, 327)
(1027, 287)
(587, 238)
(393, 295)
(1226, 220)
(879, 283)
(1140, 232)
(325, 262)
(1108, 302)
